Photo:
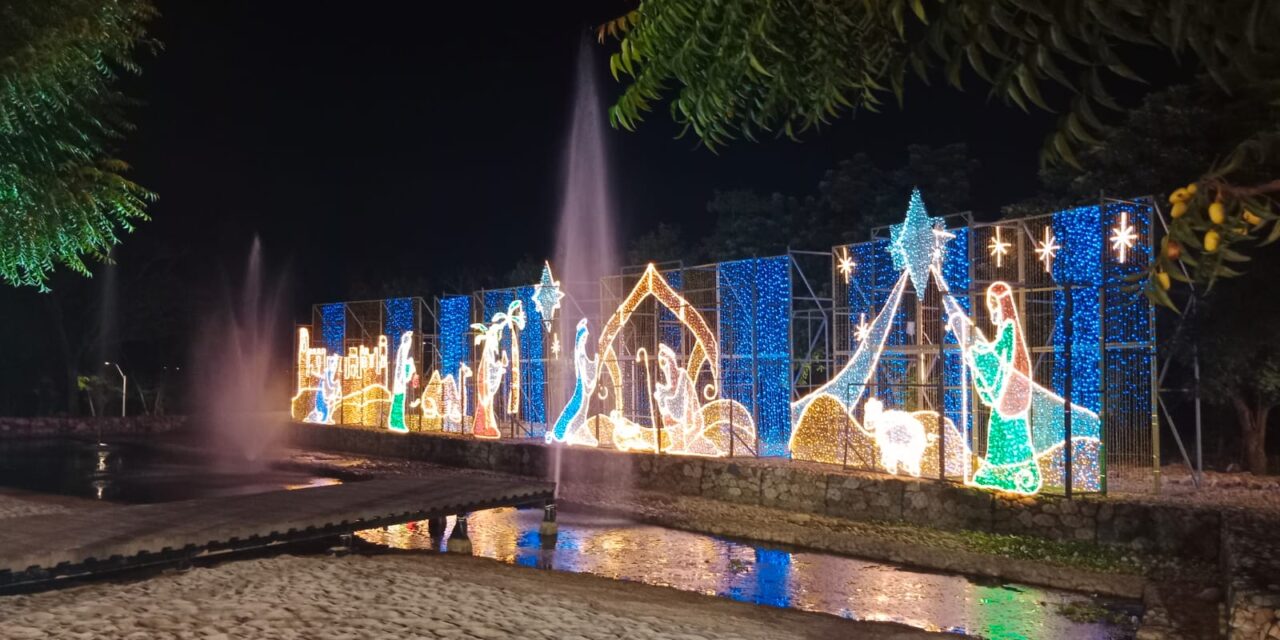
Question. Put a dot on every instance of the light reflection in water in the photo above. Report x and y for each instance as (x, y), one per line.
(847, 587)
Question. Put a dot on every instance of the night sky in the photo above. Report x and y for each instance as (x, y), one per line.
(364, 142)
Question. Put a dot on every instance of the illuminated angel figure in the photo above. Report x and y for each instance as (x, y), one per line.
(571, 425)
(1002, 377)
(403, 372)
(330, 392)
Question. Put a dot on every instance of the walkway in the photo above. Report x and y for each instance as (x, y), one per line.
(43, 547)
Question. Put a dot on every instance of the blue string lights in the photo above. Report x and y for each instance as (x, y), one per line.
(333, 326)
(1063, 279)
(755, 321)
(455, 334)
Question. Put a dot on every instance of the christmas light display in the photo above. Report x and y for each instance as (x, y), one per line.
(404, 371)
(999, 248)
(1000, 387)
(1047, 249)
(707, 422)
(1123, 237)
(845, 265)
(492, 369)
(546, 296)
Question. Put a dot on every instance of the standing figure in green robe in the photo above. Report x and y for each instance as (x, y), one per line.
(400, 382)
(1002, 377)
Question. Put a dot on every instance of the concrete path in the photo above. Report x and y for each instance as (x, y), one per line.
(42, 547)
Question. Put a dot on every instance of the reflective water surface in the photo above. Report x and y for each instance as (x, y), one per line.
(136, 473)
(848, 587)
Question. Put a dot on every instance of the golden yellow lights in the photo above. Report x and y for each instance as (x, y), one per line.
(846, 264)
(1047, 249)
(1123, 236)
(998, 248)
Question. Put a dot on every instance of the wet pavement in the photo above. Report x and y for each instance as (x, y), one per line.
(848, 587)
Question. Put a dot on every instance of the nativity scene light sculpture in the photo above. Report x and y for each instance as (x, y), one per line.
(688, 420)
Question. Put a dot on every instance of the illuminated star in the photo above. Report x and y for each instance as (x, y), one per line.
(555, 346)
(917, 243)
(1123, 236)
(863, 328)
(1048, 249)
(846, 264)
(547, 295)
(999, 248)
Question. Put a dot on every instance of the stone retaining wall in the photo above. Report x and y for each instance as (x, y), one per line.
(45, 427)
(807, 488)
(1251, 564)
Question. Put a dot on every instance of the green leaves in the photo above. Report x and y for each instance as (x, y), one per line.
(62, 196)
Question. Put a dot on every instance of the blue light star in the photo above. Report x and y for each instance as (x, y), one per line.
(547, 295)
(917, 244)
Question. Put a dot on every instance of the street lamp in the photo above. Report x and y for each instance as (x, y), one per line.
(124, 387)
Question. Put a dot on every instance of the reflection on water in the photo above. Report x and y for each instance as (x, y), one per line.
(848, 587)
(135, 473)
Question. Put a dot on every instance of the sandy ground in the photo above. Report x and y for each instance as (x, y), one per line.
(402, 596)
(15, 503)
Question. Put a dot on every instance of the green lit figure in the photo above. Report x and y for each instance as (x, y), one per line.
(1002, 377)
(400, 382)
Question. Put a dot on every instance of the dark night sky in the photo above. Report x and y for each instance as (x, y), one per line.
(367, 141)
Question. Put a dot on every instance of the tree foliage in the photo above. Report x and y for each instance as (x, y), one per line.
(741, 68)
(1239, 347)
(850, 200)
(62, 195)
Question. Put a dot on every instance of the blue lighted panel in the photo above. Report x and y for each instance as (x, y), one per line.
(333, 327)
(455, 334)
(955, 270)
(755, 316)
(533, 366)
(1081, 233)
(668, 324)
(1128, 312)
(399, 318)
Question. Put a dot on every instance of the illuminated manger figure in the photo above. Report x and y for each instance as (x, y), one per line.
(1001, 371)
(570, 427)
(691, 420)
(404, 370)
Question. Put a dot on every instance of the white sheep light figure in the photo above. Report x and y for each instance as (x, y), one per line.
(899, 436)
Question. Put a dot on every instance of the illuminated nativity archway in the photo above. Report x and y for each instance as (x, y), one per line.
(687, 419)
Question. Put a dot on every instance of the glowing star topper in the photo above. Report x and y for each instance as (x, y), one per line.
(917, 243)
(846, 264)
(547, 295)
(1123, 236)
(1048, 249)
(999, 248)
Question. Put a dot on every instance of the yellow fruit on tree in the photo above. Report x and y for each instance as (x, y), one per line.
(1179, 209)
(1178, 195)
(1191, 189)
(1211, 239)
(1251, 218)
(1162, 278)
(1173, 249)
(1217, 213)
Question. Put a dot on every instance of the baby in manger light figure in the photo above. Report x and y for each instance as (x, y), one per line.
(1001, 370)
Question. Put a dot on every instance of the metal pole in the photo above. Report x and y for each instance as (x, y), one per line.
(1195, 369)
(1068, 334)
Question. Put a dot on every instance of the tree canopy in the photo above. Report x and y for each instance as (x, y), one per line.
(747, 68)
(63, 196)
